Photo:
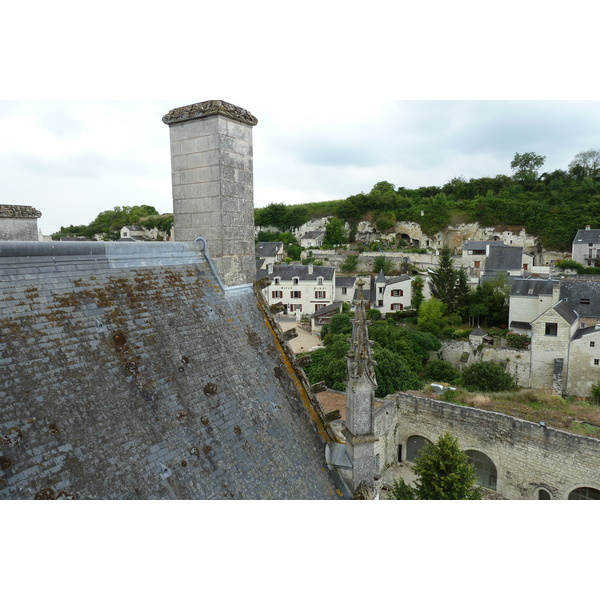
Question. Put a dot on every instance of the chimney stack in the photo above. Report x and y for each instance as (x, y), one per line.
(587, 227)
(212, 178)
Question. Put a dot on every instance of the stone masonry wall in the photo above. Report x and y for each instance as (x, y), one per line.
(527, 456)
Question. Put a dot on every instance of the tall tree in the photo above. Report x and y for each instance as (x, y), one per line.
(417, 285)
(443, 281)
(443, 471)
(526, 166)
(586, 163)
(335, 234)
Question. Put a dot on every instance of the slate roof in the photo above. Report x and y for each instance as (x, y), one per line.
(344, 281)
(587, 236)
(472, 245)
(334, 307)
(583, 331)
(538, 287)
(566, 312)
(288, 272)
(128, 372)
(572, 291)
(504, 258)
(313, 235)
(479, 332)
(399, 279)
(269, 249)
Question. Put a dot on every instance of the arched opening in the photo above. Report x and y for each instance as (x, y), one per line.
(414, 446)
(485, 469)
(585, 493)
(543, 494)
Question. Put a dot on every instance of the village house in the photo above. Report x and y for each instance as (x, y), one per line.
(391, 294)
(303, 289)
(345, 288)
(312, 239)
(269, 252)
(586, 247)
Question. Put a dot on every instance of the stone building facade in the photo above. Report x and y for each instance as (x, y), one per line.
(518, 459)
(19, 223)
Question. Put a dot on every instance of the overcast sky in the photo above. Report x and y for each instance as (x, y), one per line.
(72, 160)
(337, 92)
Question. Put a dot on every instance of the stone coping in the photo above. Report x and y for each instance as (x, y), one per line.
(209, 108)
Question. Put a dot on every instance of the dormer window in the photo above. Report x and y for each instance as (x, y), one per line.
(584, 301)
(276, 281)
(296, 280)
(319, 281)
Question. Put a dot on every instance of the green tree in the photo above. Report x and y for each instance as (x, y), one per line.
(335, 234)
(444, 280)
(432, 316)
(417, 296)
(443, 471)
(350, 264)
(381, 263)
(587, 163)
(441, 370)
(486, 377)
(525, 166)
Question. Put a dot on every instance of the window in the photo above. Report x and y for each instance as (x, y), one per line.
(380, 290)
(379, 302)
(318, 306)
(596, 362)
(530, 292)
(485, 469)
(524, 267)
(477, 264)
(551, 329)
(414, 446)
(397, 292)
(544, 494)
(296, 294)
(584, 301)
(592, 344)
(320, 281)
(585, 493)
(344, 291)
(320, 294)
(295, 281)
(297, 307)
(277, 294)
(396, 307)
(276, 280)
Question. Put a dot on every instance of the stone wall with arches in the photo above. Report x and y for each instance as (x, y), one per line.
(531, 460)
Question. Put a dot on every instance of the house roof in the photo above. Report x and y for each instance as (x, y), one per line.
(532, 287)
(504, 258)
(479, 332)
(584, 331)
(269, 249)
(344, 281)
(129, 372)
(331, 308)
(472, 245)
(134, 227)
(573, 291)
(288, 272)
(313, 235)
(399, 279)
(566, 312)
(587, 236)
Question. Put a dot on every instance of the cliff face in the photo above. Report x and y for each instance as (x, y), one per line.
(128, 372)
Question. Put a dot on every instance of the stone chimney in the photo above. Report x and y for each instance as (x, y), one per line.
(310, 268)
(587, 227)
(212, 178)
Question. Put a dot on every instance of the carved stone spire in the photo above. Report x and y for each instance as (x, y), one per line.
(360, 398)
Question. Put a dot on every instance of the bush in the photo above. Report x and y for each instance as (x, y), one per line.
(486, 377)
(441, 370)
(517, 340)
(596, 393)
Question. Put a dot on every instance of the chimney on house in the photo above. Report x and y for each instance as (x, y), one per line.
(212, 179)
(587, 227)
(310, 268)
(270, 268)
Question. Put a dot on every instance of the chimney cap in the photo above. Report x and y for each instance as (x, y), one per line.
(209, 108)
